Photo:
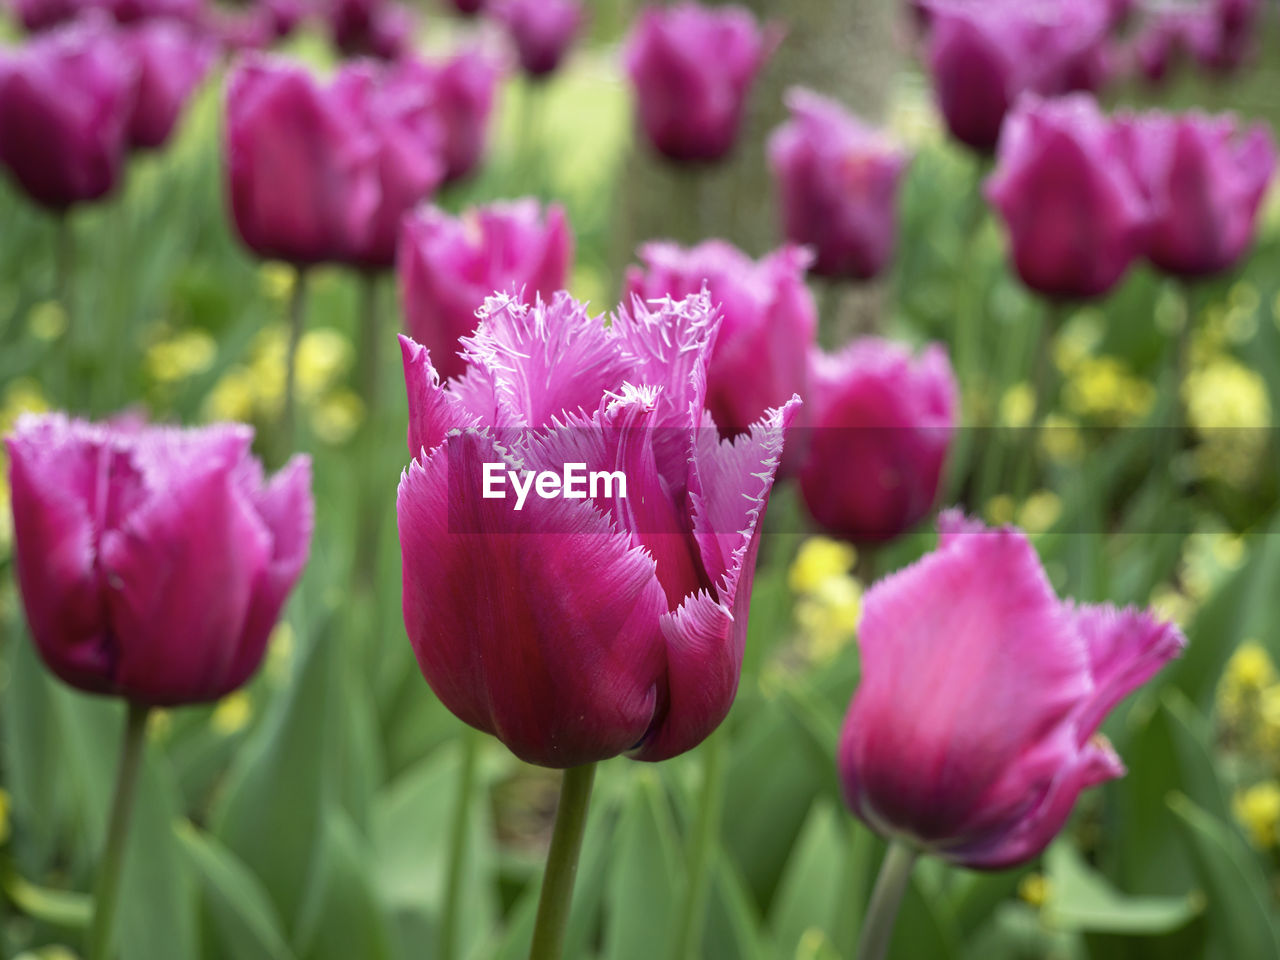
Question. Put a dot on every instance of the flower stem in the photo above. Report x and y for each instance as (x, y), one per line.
(106, 890)
(297, 321)
(562, 864)
(458, 845)
(370, 331)
(64, 263)
(706, 829)
(891, 884)
(1042, 390)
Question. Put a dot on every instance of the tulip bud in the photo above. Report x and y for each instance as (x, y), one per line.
(1075, 215)
(880, 426)
(975, 723)
(542, 30)
(838, 180)
(1205, 179)
(467, 8)
(769, 321)
(448, 267)
(172, 61)
(579, 628)
(465, 89)
(153, 562)
(382, 29)
(66, 98)
(137, 11)
(691, 67)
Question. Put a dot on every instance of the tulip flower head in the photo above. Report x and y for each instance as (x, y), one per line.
(172, 61)
(1075, 214)
(448, 266)
(466, 85)
(382, 29)
(975, 724)
(467, 8)
(66, 101)
(880, 426)
(579, 628)
(692, 67)
(838, 180)
(153, 562)
(1205, 179)
(769, 321)
(542, 31)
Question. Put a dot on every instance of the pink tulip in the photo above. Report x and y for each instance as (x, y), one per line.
(66, 98)
(172, 61)
(1205, 179)
(137, 11)
(838, 179)
(984, 55)
(449, 266)
(692, 67)
(467, 8)
(574, 629)
(769, 321)
(1076, 216)
(880, 425)
(372, 28)
(153, 562)
(1168, 36)
(975, 725)
(542, 30)
(466, 85)
(35, 15)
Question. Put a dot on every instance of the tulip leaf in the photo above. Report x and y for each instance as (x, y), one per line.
(809, 891)
(1080, 899)
(1237, 889)
(66, 909)
(241, 920)
(733, 928)
(640, 896)
(342, 917)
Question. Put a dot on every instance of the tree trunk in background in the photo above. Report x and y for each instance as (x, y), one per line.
(845, 49)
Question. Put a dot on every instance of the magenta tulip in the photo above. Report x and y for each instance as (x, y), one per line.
(1205, 179)
(984, 55)
(153, 562)
(576, 628)
(372, 28)
(542, 31)
(466, 85)
(448, 267)
(769, 321)
(285, 15)
(66, 98)
(880, 425)
(1168, 36)
(975, 725)
(692, 67)
(136, 11)
(467, 8)
(172, 61)
(1075, 214)
(838, 180)
(37, 15)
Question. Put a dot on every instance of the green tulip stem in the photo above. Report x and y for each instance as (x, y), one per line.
(1042, 385)
(106, 890)
(372, 486)
(886, 898)
(562, 864)
(458, 845)
(702, 849)
(297, 321)
(64, 274)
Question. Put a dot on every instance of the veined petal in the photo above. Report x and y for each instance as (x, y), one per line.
(433, 410)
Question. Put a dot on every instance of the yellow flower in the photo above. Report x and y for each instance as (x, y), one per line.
(337, 417)
(1103, 388)
(47, 320)
(276, 280)
(1077, 340)
(185, 355)
(1226, 394)
(1061, 440)
(1000, 510)
(1171, 604)
(233, 397)
(323, 356)
(1034, 888)
(818, 560)
(1040, 511)
(1248, 672)
(1018, 405)
(232, 714)
(280, 647)
(828, 617)
(21, 396)
(1258, 810)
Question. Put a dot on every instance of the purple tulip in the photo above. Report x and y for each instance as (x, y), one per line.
(137, 11)
(153, 562)
(578, 629)
(466, 85)
(838, 179)
(692, 67)
(769, 321)
(285, 15)
(37, 15)
(467, 8)
(247, 30)
(172, 61)
(975, 725)
(880, 426)
(1205, 180)
(984, 55)
(1168, 36)
(542, 31)
(1075, 214)
(372, 28)
(66, 98)
(448, 267)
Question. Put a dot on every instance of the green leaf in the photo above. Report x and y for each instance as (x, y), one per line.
(240, 917)
(733, 923)
(342, 917)
(67, 909)
(1081, 899)
(640, 896)
(808, 894)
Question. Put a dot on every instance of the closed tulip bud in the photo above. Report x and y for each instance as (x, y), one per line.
(285, 15)
(448, 267)
(172, 61)
(66, 98)
(302, 161)
(542, 31)
(577, 628)
(466, 8)
(382, 29)
(880, 425)
(1075, 214)
(466, 85)
(975, 724)
(1167, 37)
(136, 11)
(153, 562)
(769, 321)
(1205, 179)
(692, 67)
(1231, 36)
(35, 15)
(838, 180)
(245, 30)
(984, 55)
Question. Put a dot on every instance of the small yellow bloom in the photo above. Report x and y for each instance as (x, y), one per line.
(1227, 394)
(280, 648)
(1258, 810)
(185, 355)
(47, 320)
(1077, 340)
(277, 280)
(323, 356)
(1034, 888)
(1018, 405)
(819, 559)
(1102, 388)
(1040, 511)
(232, 714)
(1171, 604)
(337, 417)
(1061, 440)
(233, 397)
(1000, 510)
(828, 617)
(1250, 667)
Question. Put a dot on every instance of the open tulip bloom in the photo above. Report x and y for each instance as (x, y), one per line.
(975, 723)
(580, 627)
